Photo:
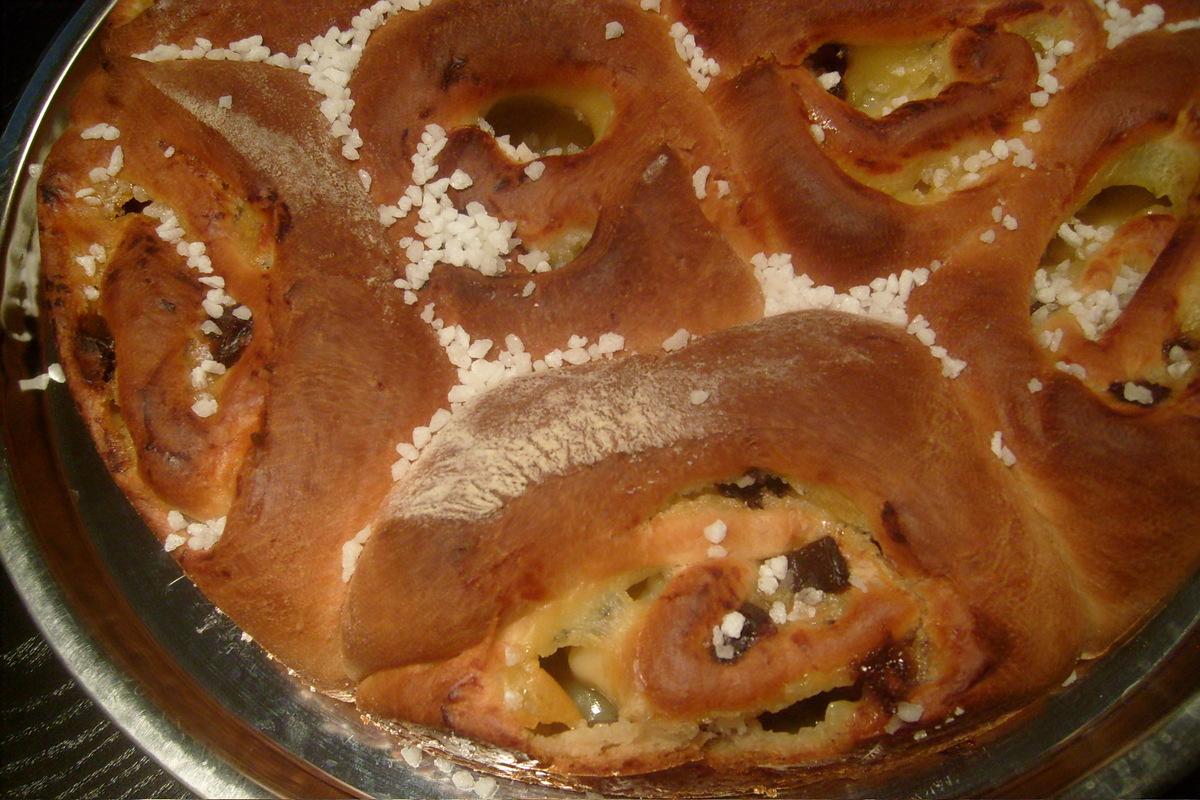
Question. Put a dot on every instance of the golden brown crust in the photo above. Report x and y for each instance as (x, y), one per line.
(997, 516)
(768, 381)
(657, 227)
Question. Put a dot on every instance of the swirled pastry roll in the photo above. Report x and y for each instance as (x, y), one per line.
(635, 383)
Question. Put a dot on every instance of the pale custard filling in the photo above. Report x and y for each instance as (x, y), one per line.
(1097, 261)
(567, 664)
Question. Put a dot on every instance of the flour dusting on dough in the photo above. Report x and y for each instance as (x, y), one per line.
(487, 457)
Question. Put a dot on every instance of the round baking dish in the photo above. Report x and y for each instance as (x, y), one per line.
(224, 718)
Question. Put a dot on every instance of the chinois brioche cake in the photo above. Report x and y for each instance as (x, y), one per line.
(636, 383)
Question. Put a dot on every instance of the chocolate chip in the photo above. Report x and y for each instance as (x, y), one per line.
(752, 495)
(819, 565)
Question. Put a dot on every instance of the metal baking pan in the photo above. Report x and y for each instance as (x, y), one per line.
(228, 721)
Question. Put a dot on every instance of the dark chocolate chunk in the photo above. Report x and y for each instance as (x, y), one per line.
(819, 565)
(95, 351)
(888, 671)
(752, 495)
(757, 625)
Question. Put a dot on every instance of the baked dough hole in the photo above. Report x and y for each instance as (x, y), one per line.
(646, 587)
(809, 712)
(556, 249)
(1165, 166)
(594, 707)
(877, 79)
(829, 58)
(551, 122)
(1117, 204)
(560, 658)
(120, 198)
(134, 206)
(1107, 212)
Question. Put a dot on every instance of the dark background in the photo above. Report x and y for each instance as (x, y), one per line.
(54, 742)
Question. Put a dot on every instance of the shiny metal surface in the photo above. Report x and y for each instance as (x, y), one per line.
(28, 135)
(228, 721)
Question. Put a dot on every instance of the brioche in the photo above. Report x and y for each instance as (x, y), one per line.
(635, 384)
